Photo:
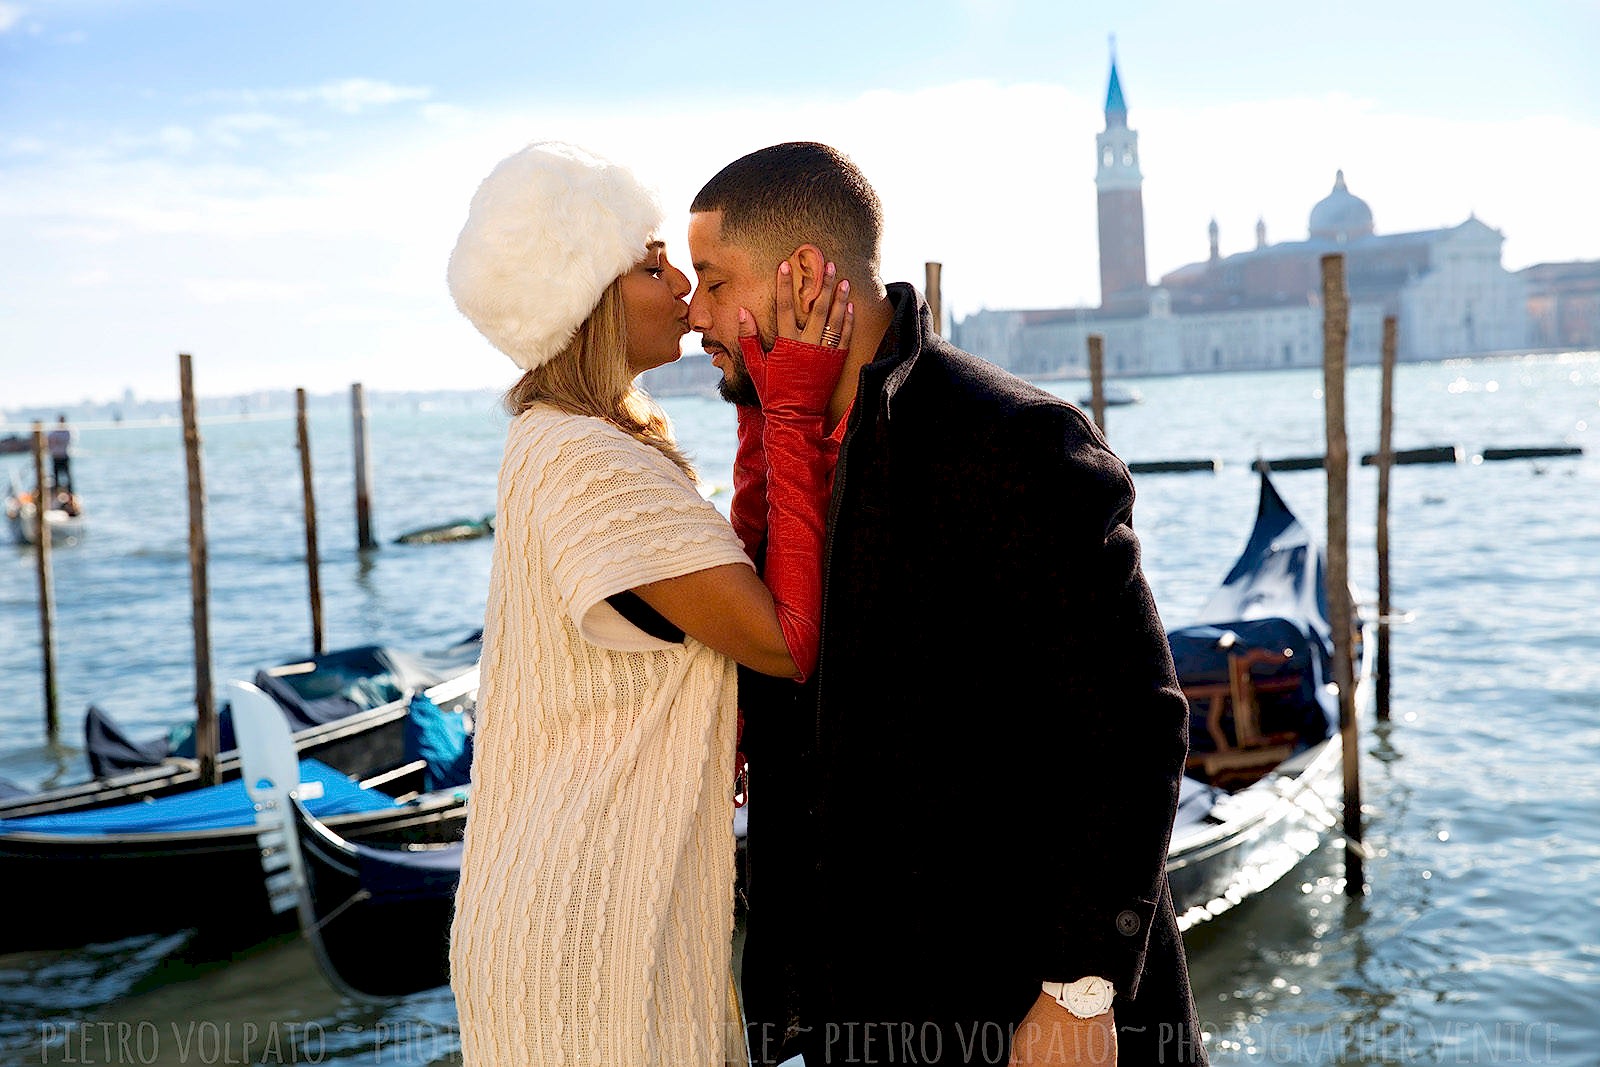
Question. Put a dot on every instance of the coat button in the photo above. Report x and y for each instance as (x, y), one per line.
(1127, 923)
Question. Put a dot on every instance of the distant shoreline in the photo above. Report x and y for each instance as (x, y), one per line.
(691, 376)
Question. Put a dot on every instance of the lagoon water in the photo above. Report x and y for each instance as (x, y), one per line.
(1478, 940)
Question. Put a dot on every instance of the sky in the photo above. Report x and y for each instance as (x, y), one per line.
(275, 188)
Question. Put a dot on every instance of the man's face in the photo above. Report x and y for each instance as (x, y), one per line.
(729, 278)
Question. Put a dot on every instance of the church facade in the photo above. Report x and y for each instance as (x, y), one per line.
(1261, 308)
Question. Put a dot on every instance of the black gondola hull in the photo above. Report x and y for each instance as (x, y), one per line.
(79, 889)
(379, 929)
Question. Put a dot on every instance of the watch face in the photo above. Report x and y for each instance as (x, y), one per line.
(1089, 997)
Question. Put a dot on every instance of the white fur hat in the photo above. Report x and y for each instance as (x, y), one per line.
(549, 230)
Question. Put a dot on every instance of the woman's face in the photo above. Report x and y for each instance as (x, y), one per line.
(653, 302)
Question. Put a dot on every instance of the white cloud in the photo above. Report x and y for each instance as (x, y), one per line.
(349, 96)
(77, 233)
(356, 94)
(444, 113)
(10, 15)
(336, 252)
(244, 130)
(245, 290)
(179, 139)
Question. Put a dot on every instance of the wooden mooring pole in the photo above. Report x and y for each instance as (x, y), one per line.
(363, 458)
(205, 724)
(313, 561)
(1097, 379)
(1335, 333)
(47, 590)
(934, 296)
(1385, 462)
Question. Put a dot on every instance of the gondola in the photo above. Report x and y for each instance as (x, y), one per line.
(1260, 791)
(1265, 769)
(1114, 395)
(378, 919)
(347, 708)
(191, 860)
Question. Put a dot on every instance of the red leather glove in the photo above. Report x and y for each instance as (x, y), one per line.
(795, 381)
(748, 512)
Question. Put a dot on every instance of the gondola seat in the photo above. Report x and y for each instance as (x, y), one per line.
(1252, 689)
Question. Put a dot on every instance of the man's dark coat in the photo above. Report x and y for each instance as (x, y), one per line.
(974, 792)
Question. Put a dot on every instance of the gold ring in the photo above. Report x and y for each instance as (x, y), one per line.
(830, 337)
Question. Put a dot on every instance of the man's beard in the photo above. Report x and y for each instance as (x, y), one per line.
(736, 386)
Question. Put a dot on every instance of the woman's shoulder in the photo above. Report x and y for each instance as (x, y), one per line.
(545, 426)
(549, 435)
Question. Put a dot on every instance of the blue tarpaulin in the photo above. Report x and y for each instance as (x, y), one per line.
(443, 739)
(1273, 598)
(216, 807)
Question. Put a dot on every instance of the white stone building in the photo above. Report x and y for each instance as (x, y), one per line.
(1261, 308)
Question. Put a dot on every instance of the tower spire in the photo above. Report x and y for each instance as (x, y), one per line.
(1123, 279)
(1116, 105)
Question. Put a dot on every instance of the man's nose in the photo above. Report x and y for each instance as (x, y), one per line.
(699, 314)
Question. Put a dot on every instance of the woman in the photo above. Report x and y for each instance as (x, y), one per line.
(594, 918)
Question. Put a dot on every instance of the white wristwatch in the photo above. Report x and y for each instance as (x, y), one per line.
(1085, 998)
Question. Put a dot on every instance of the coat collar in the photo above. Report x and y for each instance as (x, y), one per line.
(897, 354)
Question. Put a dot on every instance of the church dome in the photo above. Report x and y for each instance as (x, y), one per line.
(1341, 215)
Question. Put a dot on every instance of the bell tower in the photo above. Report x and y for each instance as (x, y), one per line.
(1123, 279)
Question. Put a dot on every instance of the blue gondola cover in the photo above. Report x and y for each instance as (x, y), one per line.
(1274, 598)
(443, 739)
(217, 807)
(332, 686)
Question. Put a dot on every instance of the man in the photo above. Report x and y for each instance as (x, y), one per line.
(960, 821)
(60, 441)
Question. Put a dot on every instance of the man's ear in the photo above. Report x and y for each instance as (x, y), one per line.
(806, 264)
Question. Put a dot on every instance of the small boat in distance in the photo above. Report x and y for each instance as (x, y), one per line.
(1115, 396)
(63, 517)
(461, 529)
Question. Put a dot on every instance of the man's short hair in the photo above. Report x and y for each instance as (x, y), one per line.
(779, 198)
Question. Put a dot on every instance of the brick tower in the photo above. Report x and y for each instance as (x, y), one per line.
(1123, 280)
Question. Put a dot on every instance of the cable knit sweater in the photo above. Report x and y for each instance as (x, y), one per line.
(595, 913)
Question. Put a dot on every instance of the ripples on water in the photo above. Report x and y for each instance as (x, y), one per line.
(1477, 943)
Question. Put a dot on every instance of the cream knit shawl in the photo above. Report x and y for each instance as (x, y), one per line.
(594, 918)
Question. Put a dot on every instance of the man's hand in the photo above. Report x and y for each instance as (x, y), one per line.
(1051, 1036)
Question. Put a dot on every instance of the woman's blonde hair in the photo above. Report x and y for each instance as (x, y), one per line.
(590, 376)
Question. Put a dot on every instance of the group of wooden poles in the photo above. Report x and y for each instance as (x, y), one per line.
(206, 731)
(1334, 330)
